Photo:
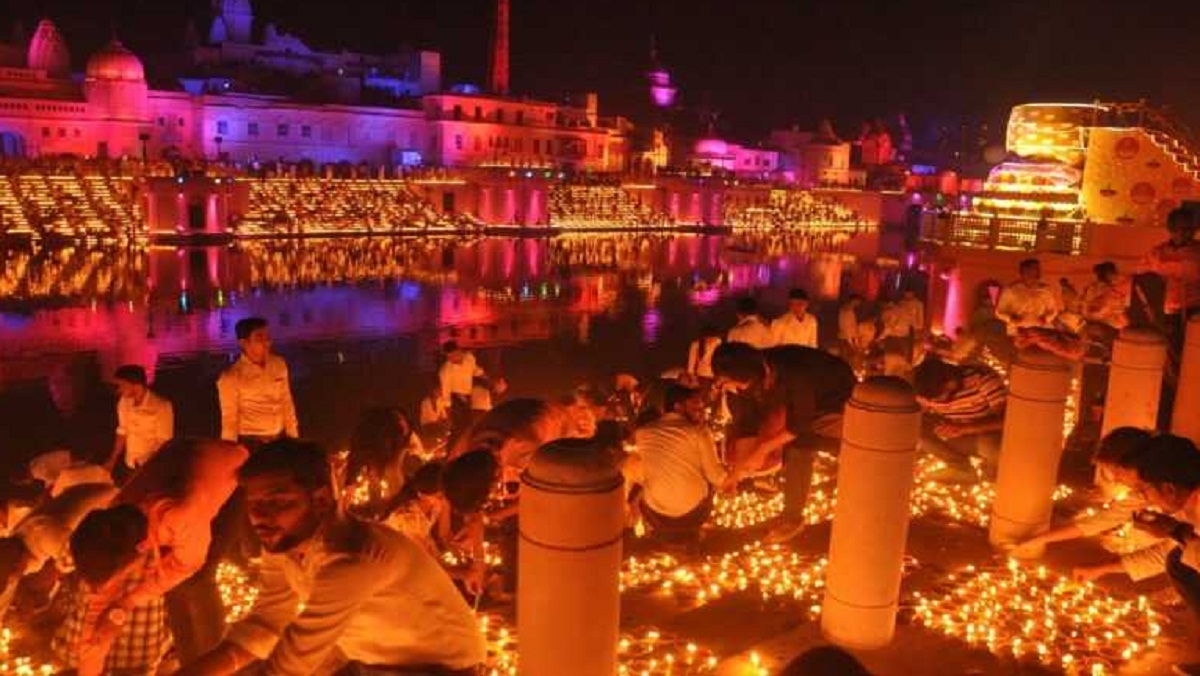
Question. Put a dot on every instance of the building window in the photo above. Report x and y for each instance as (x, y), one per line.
(62, 133)
(549, 146)
(458, 141)
(45, 132)
(478, 113)
(537, 146)
(305, 131)
(518, 145)
(520, 117)
(281, 130)
(162, 122)
(478, 144)
(500, 115)
(222, 127)
(76, 133)
(458, 112)
(180, 121)
(252, 129)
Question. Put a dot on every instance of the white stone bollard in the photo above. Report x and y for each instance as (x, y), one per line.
(1185, 416)
(1031, 448)
(568, 588)
(870, 523)
(1135, 380)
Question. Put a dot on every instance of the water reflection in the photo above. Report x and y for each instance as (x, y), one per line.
(365, 316)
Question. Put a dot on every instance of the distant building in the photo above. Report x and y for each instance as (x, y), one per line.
(812, 159)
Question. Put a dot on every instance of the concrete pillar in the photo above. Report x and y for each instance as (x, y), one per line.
(1031, 447)
(571, 524)
(870, 523)
(1185, 417)
(1135, 380)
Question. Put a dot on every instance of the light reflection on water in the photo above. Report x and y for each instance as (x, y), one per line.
(360, 320)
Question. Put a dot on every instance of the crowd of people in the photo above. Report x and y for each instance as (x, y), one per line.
(374, 558)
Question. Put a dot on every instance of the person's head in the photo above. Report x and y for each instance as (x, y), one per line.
(908, 294)
(425, 485)
(468, 479)
(130, 380)
(516, 428)
(379, 441)
(289, 492)
(453, 353)
(853, 300)
(1181, 226)
(739, 366)
(254, 338)
(1117, 455)
(798, 302)
(686, 401)
(107, 542)
(1168, 469)
(14, 560)
(936, 380)
(580, 407)
(825, 661)
(746, 307)
(1031, 271)
(1105, 272)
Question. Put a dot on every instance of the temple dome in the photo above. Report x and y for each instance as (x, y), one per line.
(115, 62)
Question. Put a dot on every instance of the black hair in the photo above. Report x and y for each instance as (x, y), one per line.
(931, 375)
(676, 394)
(1180, 218)
(468, 479)
(426, 480)
(449, 346)
(1169, 459)
(1104, 269)
(797, 294)
(1122, 446)
(131, 373)
(738, 361)
(247, 326)
(377, 441)
(746, 305)
(710, 331)
(825, 661)
(1028, 263)
(106, 541)
(304, 461)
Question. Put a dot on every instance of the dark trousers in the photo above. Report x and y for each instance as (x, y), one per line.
(680, 529)
(1186, 581)
(798, 461)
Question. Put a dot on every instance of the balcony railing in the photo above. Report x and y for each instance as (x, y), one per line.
(981, 231)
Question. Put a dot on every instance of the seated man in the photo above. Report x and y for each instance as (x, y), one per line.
(964, 413)
(102, 635)
(680, 468)
(335, 589)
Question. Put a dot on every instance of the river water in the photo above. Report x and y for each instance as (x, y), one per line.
(360, 321)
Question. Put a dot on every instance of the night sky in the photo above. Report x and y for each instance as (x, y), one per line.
(760, 64)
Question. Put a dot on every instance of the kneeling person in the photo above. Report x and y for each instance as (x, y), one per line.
(333, 587)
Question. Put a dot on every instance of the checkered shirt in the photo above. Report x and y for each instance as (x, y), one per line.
(144, 638)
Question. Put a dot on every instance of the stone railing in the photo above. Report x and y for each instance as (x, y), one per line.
(982, 231)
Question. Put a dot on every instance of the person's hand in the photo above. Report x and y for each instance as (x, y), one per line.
(732, 479)
(1156, 524)
(474, 578)
(499, 386)
(1089, 573)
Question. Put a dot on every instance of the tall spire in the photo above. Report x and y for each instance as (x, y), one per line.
(499, 71)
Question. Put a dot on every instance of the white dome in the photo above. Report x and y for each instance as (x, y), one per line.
(115, 62)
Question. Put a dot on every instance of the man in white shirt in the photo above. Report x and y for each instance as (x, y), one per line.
(1028, 302)
(335, 590)
(679, 465)
(750, 328)
(255, 393)
(796, 326)
(145, 421)
(457, 377)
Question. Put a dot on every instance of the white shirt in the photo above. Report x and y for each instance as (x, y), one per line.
(365, 591)
(700, 354)
(145, 426)
(679, 462)
(1021, 306)
(751, 331)
(792, 330)
(256, 401)
(913, 313)
(459, 378)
